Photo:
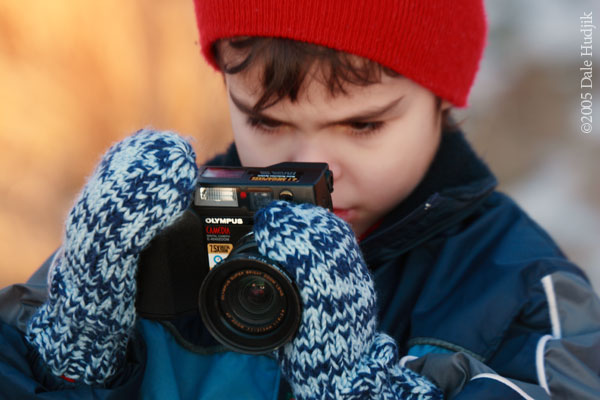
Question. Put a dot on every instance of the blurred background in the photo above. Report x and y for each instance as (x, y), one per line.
(78, 76)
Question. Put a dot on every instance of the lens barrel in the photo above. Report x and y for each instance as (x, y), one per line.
(248, 302)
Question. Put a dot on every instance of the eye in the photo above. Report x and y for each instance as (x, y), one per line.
(365, 128)
(267, 125)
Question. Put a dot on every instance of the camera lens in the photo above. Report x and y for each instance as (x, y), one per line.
(249, 303)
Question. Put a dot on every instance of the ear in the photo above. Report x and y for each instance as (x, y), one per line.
(445, 105)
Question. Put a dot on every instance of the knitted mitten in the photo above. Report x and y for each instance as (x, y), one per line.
(141, 185)
(337, 352)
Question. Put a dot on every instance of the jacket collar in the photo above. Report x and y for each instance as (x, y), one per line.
(454, 186)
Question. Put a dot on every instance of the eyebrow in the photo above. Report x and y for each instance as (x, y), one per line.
(362, 116)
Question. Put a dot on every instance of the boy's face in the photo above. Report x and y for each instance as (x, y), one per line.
(378, 140)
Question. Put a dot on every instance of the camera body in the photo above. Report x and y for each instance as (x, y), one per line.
(207, 261)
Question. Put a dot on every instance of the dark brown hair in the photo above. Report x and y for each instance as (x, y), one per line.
(287, 63)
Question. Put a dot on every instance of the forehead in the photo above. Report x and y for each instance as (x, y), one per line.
(248, 86)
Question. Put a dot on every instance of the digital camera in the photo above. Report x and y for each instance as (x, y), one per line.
(208, 260)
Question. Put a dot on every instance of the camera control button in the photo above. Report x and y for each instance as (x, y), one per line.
(286, 195)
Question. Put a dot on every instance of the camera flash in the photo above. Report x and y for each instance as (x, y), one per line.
(216, 196)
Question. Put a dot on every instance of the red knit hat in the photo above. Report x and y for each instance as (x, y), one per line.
(436, 43)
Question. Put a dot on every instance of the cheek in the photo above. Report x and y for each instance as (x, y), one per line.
(381, 185)
(399, 167)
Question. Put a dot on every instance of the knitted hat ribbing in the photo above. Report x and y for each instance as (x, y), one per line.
(436, 43)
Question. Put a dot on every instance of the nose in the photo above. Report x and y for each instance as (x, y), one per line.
(315, 150)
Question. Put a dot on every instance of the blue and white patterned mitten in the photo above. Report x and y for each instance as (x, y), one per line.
(337, 352)
(141, 185)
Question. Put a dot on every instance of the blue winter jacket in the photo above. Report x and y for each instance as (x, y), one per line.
(477, 295)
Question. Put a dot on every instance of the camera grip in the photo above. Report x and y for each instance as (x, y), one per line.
(171, 270)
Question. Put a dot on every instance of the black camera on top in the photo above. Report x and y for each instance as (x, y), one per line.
(208, 259)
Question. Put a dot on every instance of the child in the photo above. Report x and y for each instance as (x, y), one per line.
(451, 291)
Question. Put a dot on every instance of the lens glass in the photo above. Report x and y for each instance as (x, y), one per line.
(257, 295)
(253, 301)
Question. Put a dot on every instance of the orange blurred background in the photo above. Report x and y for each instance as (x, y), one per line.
(76, 77)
